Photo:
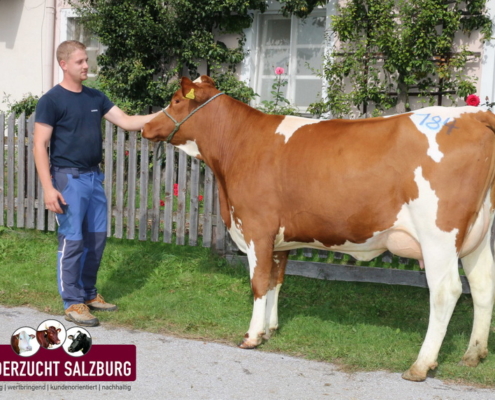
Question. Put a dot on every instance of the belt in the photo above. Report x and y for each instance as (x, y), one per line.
(75, 171)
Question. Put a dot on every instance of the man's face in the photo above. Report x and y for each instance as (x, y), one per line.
(76, 66)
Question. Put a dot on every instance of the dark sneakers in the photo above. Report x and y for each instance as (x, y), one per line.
(99, 304)
(79, 314)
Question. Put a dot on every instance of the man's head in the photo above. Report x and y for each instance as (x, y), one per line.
(73, 60)
(65, 49)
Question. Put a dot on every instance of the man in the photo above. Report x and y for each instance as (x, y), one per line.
(68, 118)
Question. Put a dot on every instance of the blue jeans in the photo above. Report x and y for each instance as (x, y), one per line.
(82, 232)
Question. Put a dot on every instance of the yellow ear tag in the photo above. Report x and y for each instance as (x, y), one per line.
(190, 95)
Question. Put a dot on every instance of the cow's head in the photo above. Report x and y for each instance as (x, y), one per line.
(21, 342)
(77, 342)
(172, 123)
(51, 334)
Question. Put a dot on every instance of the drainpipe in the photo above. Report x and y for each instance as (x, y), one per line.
(48, 45)
(487, 81)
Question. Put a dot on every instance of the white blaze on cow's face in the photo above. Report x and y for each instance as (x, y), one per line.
(24, 341)
(431, 120)
(291, 124)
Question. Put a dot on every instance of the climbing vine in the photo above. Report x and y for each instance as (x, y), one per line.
(389, 50)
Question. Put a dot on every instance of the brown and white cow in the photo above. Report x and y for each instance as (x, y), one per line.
(48, 336)
(420, 184)
(20, 342)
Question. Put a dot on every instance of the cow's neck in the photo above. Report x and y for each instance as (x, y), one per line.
(225, 135)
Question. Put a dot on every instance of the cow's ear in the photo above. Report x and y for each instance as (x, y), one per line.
(31, 336)
(188, 88)
(71, 337)
(208, 80)
(58, 330)
(192, 91)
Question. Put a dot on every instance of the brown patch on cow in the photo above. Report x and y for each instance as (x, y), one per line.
(278, 268)
(374, 160)
(463, 176)
(14, 342)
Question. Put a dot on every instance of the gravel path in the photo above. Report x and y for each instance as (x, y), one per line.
(173, 368)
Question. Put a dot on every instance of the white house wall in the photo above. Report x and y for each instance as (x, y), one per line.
(21, 34)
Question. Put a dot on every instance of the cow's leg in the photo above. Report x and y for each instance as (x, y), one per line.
(442, 273)
(276, 280)
(259, 255)
(480, 271)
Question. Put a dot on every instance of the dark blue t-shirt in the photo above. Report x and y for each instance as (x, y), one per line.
(76, 140)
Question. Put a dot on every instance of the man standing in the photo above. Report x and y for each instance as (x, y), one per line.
(68, 118)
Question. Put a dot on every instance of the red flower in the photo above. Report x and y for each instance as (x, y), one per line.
(127, 153)
(279, 71)
(200, 198)
(162, 203)
(473, 100)
(176, 189)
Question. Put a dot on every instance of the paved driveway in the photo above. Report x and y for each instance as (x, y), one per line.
(172, 368)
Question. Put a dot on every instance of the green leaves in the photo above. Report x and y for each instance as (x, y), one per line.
(387, 49)
(151, 44)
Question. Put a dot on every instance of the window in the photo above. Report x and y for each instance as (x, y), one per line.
(72, 29)
(297, 45)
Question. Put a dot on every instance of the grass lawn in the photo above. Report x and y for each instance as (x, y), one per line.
(188, 292)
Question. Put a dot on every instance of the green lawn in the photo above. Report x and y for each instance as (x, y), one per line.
(191, 293)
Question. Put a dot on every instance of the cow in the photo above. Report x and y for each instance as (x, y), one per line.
(48, 336)
(80, 342)
(20, 342)
(419, 184)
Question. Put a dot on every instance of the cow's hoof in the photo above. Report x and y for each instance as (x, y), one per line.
(269, 334)
(473, 356)
(410, 375)
(468, 361)
(248, 343)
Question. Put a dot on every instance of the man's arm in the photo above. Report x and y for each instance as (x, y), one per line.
(42, 135)
(128, 122)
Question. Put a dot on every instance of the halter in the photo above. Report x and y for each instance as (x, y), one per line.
(178, 124)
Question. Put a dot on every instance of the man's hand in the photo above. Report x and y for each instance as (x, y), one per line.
(53, 199)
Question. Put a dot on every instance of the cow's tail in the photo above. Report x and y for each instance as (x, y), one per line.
(488, 119)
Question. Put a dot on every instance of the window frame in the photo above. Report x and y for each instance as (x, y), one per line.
(251, 70)
(65, 15)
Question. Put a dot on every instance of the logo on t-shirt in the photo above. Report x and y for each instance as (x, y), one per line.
(94, 110)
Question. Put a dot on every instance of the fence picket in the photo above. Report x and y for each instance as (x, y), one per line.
(168, 208)
(109, 173)
(119, 184)
(131, 185)
(208, 207)
(31, 176)
(21, 168)
(155, 205)
(181, 200)
(143, 190)
(194, 203)
(10, 169)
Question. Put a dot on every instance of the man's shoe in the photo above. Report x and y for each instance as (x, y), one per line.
(79, 314)
(99, 304)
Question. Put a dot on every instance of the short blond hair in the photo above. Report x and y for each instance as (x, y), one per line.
(65, 49)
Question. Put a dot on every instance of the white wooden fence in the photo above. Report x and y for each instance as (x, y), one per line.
(158, 193)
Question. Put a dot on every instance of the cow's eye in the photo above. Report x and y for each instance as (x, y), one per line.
(177, 101)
